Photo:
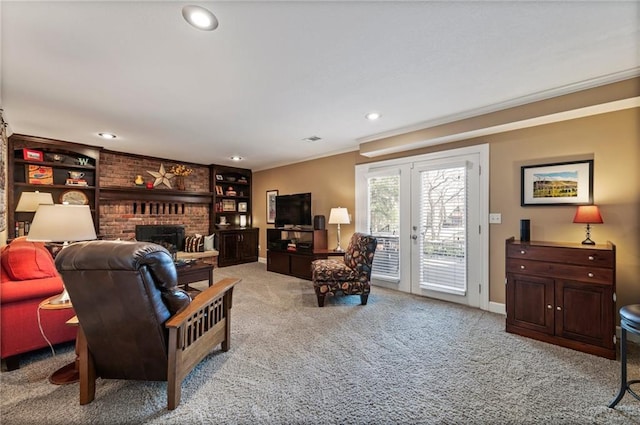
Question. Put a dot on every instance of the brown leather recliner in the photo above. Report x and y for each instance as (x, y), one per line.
(135, 323)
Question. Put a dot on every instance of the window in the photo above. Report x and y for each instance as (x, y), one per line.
(384, 223)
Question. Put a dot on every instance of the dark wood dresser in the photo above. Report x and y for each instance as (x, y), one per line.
(563, 294)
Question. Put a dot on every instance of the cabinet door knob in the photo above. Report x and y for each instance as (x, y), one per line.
(523, 252)
(592, 257)
(590, 274)
(521, 267)
(558, 308)
(549, 306)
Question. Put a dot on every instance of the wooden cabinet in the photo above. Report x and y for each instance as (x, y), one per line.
(291, 251)
(68, 171)
(237, 246)
(563, 294)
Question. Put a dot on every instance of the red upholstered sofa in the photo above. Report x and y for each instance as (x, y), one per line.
(27, 278)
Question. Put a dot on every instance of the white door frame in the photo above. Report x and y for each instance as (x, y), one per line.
(404, 165)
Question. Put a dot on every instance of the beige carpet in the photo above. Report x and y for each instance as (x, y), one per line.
(399, 360)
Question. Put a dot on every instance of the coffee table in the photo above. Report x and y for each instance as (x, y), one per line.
(194, 272)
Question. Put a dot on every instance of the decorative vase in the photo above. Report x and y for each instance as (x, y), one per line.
(180, 182)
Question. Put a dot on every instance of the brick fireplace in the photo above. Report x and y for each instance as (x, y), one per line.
(118, 219)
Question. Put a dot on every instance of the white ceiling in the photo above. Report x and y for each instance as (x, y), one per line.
(274, 73)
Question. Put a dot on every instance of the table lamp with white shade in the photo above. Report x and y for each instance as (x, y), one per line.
(62, 223)
(30, 201)
(339, 216)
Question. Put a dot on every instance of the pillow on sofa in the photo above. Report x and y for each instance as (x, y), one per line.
(194, 243)
(209, 242)
(28, 260)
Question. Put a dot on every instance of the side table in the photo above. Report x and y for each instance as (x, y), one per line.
(194, 272)
(67, 374)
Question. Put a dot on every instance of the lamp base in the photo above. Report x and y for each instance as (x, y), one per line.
(63, 298)
(338, 249)
(588, 240)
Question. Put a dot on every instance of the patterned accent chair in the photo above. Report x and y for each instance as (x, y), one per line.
(350, 276)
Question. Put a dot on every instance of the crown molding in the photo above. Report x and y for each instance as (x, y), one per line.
(501, 106)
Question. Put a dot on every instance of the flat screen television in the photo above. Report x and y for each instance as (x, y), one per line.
(293, 210)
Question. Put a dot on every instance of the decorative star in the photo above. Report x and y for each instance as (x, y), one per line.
(161, 177)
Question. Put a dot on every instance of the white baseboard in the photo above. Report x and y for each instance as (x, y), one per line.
(262, 260)
(498, 308)
(630, 337)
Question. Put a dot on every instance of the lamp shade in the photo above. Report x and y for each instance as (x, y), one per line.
(30, 201)
(588, 214)
(339, 216)
(62, 223)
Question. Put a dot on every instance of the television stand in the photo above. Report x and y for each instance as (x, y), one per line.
(291, 251)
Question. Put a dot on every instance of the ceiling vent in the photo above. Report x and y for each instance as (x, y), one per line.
(312, 139)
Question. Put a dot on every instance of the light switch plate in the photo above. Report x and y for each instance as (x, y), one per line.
(495, 218)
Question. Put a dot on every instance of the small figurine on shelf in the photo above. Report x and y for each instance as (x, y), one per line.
(76, 179)
(139, 181)
(149, 185)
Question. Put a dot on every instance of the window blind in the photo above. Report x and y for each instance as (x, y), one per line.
(443, 217)
(384, 223)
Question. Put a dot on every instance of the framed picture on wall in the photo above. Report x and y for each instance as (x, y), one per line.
(561, 183)
(271, 206)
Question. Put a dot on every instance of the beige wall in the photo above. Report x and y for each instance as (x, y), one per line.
(330, 181)
(610, 139)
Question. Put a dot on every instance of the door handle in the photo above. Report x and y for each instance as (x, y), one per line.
(414, 237)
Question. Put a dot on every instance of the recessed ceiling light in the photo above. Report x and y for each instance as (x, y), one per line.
(107, 135)
(372, 116)
(200, 17)
(236, 158)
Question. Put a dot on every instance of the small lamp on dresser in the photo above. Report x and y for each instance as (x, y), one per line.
(588, 214)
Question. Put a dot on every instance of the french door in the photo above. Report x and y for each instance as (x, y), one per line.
(428, 214)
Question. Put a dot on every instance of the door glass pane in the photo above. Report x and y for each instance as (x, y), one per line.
(384, 224)
(443, 219)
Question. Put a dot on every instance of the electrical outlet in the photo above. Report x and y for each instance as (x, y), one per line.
(495, 218)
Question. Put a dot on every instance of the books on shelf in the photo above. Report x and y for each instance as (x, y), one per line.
(22, 228)
(76, 182)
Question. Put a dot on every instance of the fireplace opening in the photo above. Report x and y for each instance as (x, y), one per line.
(170, 237)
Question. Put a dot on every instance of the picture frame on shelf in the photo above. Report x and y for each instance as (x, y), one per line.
(271, 206)
(32, 155)
(554, 184)
(218, 176)
(37, 174)
(219, 190)
(242, 207)
(228, 205)
(74, 197)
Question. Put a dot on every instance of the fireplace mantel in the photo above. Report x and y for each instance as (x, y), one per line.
(154, 195)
